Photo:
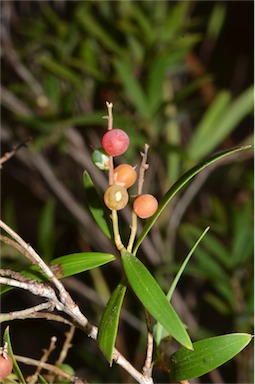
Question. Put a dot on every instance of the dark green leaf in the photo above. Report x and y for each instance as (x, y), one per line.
(107, 330)
(178, 186)
(208, 354)
(96, 206)
(59, 70)
(153, 298)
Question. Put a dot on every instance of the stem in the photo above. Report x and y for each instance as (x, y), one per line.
(110, 124)
(143, 167)
(133, 232)
(117, 238)
(148, 361)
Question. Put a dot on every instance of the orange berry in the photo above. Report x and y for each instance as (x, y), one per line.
(6, 365)
(145, 206)
(124, 175)
(116, 197)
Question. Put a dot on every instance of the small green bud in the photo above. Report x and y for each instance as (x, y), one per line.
(100, 158)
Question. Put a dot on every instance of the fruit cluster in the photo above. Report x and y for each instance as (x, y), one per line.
(115, 142)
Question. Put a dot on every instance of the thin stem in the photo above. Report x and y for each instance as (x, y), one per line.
(67, 345)
(43, 359)
(143, 167)
(133, 232)
(110, 125)
(148, 361)
(8, 155)
(117, 237)
(50, 368)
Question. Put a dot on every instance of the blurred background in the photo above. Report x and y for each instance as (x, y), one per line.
(180, 76)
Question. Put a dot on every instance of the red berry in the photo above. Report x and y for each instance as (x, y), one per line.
(124, 175)
(115, 142)
(6, 365)
(116, 197)
(145, 206)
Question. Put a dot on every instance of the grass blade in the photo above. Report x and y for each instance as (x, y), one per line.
(178, 186)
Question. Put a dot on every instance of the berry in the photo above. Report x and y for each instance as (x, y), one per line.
(124, 175)
(116, 197)
(6, 365)
(145, 206)
(115, 142)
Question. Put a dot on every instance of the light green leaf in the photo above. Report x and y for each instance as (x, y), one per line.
(153, 298)
(16, 367)
(208, 125)
(159, 328)
(208, 354)
(68, 265)
(74, 263)
(96, 206)
(225, 119)
(108, 327)
(184, 179)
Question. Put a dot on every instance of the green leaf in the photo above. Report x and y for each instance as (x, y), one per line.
(92, 26)
(108, 327)
(153, 298)
(208, 125)
(184, 179)
(133, 88)
(59, 70)
(16, 368)
(68, 265)
(219, 122)
(159, 328)
(74, 263)
(96, 206)
(208, 354)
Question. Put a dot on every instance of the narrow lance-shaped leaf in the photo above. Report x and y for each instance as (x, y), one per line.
(16, 367)
(184, 179)
(153, 298)
(226, 123)
(96, 206)
(207, 355)
(108, 327)
(159, 328)
(68, 265)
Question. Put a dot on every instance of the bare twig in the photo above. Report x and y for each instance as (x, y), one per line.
(50, 368)
(67, 345)
(8, 155)
(147, 369)
(65, 304)
(26, 313)
(44, 358)
(110, 124)
(144, 166)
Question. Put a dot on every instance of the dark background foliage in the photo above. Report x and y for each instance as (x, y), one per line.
(163, 65)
